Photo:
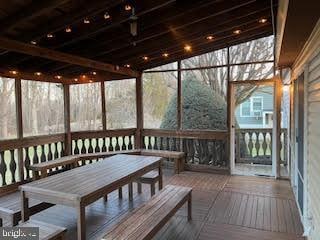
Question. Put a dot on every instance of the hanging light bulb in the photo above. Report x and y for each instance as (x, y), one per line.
(86, 21)
(127, 7)
(68, 30)
(106, 15)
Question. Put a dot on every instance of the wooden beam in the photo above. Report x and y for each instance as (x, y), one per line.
(200, 15)
(7, 72)
(103, 105)
(139, 107)
(204, 47)
(33, 10)
(117, 20)
(179, 98)
(170, 43)
(28, 49)
(19, 124)
(67, 120)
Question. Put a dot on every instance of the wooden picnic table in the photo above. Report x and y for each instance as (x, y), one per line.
(82, 186)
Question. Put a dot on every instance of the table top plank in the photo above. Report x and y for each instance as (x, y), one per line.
(87, 182)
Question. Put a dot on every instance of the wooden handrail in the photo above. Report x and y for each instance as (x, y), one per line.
(103, 133)
(190, 134)
(11, 144)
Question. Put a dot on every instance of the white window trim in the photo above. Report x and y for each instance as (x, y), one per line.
(241, 114)
(252, 100)
(251, 107)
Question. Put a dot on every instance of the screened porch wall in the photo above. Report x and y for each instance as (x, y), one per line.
(99, 119)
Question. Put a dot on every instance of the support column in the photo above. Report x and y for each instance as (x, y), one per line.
(139, 107)
(179, 98)
(67, 128)
(19, 125)
(103, 105)
(276, 131)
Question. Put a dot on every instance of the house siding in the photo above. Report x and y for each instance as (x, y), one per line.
(313, 148)
(309, 62)
(267, 107)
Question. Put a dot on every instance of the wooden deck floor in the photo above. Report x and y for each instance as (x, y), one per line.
(224, 207)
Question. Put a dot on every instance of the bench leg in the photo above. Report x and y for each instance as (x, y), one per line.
(152, 189)
(1, 222)
(106, 197)
(120, 192)
(190, 207)
(130, 186)
(176, 166)
(160, 176)
(139, 187)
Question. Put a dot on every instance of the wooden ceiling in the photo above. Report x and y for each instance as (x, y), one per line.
(164, 26)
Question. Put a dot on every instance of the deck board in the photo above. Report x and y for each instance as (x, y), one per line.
(224, 207)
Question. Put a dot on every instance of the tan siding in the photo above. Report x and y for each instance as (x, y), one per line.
(314, 144)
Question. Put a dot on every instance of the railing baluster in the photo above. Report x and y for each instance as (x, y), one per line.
(3, 168)
(104, 146)
(97, 148)
(13, 166)
(130, 145)
(90, 147)
(27, 162)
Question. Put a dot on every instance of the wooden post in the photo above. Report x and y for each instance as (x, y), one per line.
(103, 105)
(229, 114)
(277, 127)
(19, 125)
(179, 99)
(68, 140)
(139, 107)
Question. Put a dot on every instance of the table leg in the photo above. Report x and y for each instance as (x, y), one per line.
(130, 186)
(24, 207)
(160, 176)
(81, 222)
(190, 207)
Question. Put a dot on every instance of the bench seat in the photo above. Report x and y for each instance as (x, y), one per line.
(46, 231)
(151, 178)
(10, 208)
(178, 157)
(145, 221)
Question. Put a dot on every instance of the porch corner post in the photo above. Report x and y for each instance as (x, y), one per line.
(19, 124)
(230, 148)
(138, 143)
(276, 146)
(67, 127)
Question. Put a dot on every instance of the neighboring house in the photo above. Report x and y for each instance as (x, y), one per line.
(257, 111)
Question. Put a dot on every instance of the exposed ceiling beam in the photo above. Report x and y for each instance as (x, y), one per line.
(117, 21)
(166, 42)
(152, 30)
(207, 47)
(12, 45)
(35, 9)
(218, 31)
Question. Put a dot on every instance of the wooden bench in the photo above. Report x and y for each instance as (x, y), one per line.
(178, 157)
(72, 161)
(46, 231)
(149, 178)
(10, 208)
(145, 221)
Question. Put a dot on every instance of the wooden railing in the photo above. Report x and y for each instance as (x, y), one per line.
(102, 141)
(17, 155)
(255, 146)
(204, 149)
